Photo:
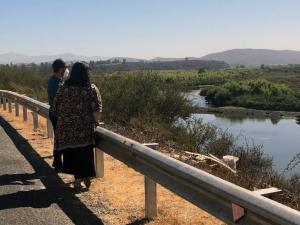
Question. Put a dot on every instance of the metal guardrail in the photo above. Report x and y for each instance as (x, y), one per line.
(220, 198)
(38, 108)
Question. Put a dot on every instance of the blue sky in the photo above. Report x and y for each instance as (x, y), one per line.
(147, 28)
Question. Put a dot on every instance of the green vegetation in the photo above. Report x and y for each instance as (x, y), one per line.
(272, 88)
(258, 94)
(150, 104)
(141, 99)
(30, 80)
(115, 66)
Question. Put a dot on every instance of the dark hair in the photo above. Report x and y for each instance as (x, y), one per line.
(80, 75)
(55, 70)
(59, 63)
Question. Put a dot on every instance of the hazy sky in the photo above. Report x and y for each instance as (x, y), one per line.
(147, 28)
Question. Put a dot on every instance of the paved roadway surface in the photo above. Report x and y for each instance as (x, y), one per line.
(30, 192)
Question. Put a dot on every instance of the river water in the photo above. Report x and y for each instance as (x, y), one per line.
(280, 137)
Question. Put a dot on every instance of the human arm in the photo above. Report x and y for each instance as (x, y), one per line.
(55, 103)
(96, 116)
(96, 104)
(53, 85)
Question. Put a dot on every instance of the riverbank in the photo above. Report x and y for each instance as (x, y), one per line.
(247, 112)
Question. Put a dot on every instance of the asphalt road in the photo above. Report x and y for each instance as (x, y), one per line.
(30, 191)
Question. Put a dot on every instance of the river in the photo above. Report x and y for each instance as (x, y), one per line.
(280, 137)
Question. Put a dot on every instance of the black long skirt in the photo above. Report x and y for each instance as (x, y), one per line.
(79, 162)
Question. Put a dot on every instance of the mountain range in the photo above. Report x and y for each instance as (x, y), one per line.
(16, 58)
(255, 57)
(234, 57)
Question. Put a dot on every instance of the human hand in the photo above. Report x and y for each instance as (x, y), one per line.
(97, 123)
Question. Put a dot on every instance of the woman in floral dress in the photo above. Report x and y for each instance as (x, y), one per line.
(77, 105)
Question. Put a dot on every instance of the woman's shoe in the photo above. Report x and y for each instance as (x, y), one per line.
(77, 186)
(86, 182)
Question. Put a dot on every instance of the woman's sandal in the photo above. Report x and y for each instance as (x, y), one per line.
(77, 186)
(86, 182)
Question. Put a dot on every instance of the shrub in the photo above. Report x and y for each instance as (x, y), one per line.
(196, 136)
(141, 99)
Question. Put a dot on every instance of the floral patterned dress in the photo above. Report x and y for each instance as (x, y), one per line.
(74, 107)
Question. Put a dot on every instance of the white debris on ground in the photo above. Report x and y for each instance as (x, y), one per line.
(228, 161)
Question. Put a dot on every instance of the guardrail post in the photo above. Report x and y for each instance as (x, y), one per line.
(35, 117)
(4, 103)
(35, 120)
(99, 160)
(17, 109)
(99, 155)
(9, 106)
(49, 129)
(150, 199)
(24, 113)
(150, 193)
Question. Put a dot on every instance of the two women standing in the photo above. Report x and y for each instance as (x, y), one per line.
(77, 105)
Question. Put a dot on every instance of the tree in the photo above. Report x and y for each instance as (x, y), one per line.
(262, 66)
(33, 65)
(92, 65)
(186, 58)
(124, 61)
(201, 70)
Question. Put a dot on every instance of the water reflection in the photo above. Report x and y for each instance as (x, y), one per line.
(275, 120)
(241, 119)
(279, 137)
(298, 120)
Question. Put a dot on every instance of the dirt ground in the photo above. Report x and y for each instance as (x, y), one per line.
(121, 192)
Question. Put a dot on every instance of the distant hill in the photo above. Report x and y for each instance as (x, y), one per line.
(11, 57)
(18, 58)
(234, 57)
(255, 57)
